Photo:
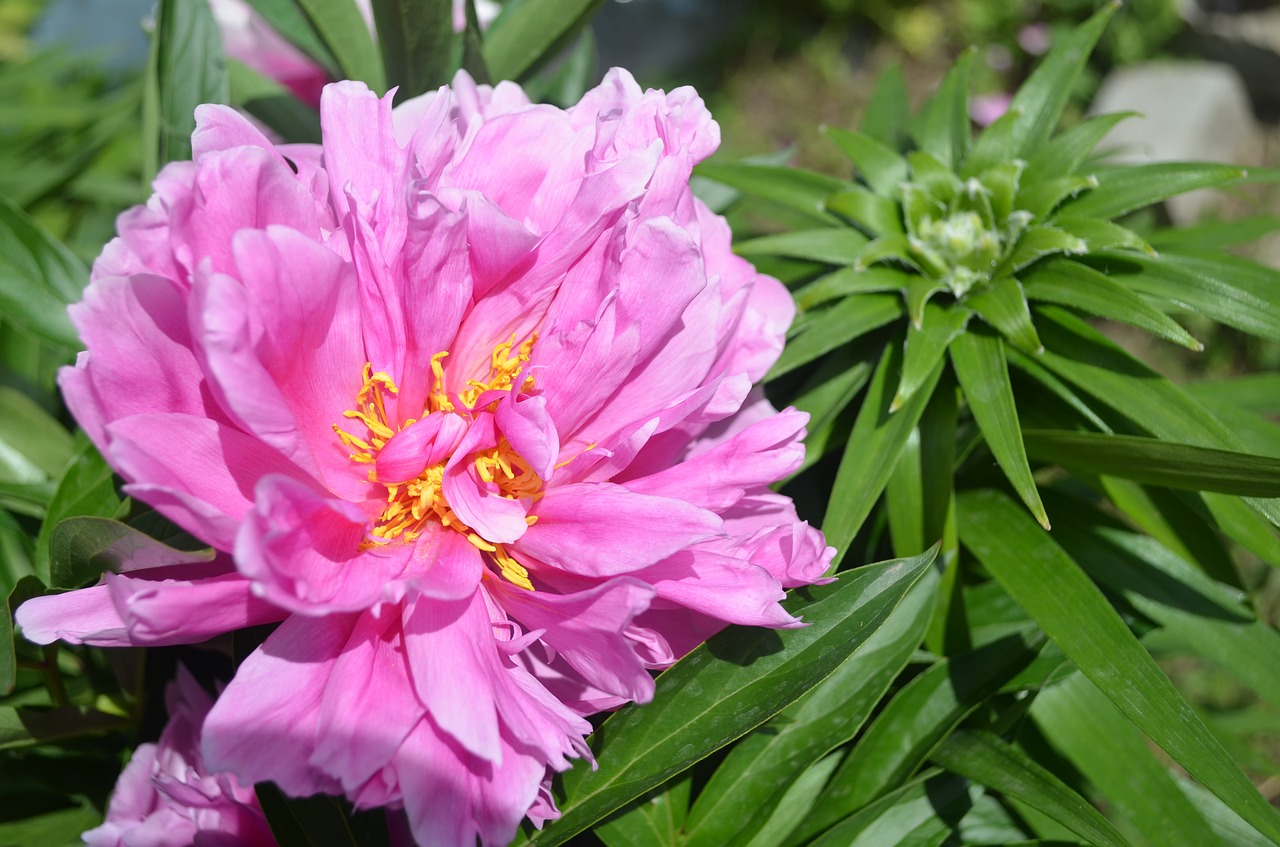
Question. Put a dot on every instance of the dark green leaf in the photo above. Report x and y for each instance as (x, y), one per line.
(1214, 235)
(1041, 99)
(877, 438)
(904, 500)
(925, 814)
(926, 346)
(27, 727)
(60, 828)
(797, 189)
(1156, 462)
(84, 547)
(273, 104)
(1099, 235)
(987, 760)
(942, 128)
(914, 722)
(1048, 584)
(1004, 307)
(833, 245)
(885, 117)
(1069, 283)
(526, 35)
(320, 820)
(843, 322)
(1069, 149)
(878, 215)
(726, 688)
(86, 488)
(655, 819)
(473, 51)
(417, 42)
(287, 18)
(1040, 241)
(38, 278)
(342, 27)
(848, 281)
(881, 166)
(187, 67)
(750, 783)
(980, 366)
(24, 590)
(1124, 189)
(833, 386)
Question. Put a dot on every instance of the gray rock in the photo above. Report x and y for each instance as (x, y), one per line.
(1189, 111)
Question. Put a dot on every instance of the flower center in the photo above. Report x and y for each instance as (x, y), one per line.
(412, 504)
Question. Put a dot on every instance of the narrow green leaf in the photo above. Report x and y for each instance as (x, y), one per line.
(1068, 150)
(33, 445)
(834, 245)
(187, 68)
(287, 18)
(60, 828)
(843, 322)
(1040, 241)
(23, 590)
(833, 386)
(344, 31)
(1084, 725)
(1099, 235)
(795, 188)
(1257, 393)
(527, 35)
(846, 281)
(1041, 198)
(1125, 188)
(877, 438)
(1157, 462)
(417, 42)
(980, 366)
(993, 147)
(273, 104)
(904, 500)
(473, 52)
(796, 802)
(755, 776)
(1214, 236)
(724, 689)
(655, 819)
(942, 128)
(880, 165)
(1048, 584)
(888, 248)
(28, 727)
(915, 721)
(1004, 307)
(923, 815)
(878, 215)
(1226, 824)
(38, 278)
(1233, 291)
(1041, 99)
(926, 346)
(888, 107)
(1058, 388)
(987, 760)
(320, 820)
(1069, 283)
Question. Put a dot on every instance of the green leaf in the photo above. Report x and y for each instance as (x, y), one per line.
(33, 445)
(915, 721)
(273, 104)
(794, 188)
(1041, 99)
(344, 31)
(84, 547)
(287, 18)
(1199, 612)
(942, 128)
(925, 347)
(1099, 235)
(1037, 242)
(473, 52)
(993, 147)
(1068, 150)
(86, 488)
(1004, 307)
(881, 166)
(1214, 235)
(878, 215)
(1070, 283)
(417, 42)
(320, 820)
(885, 116)
(848, 281)
(38, 278)
(528, 34)
(833, 386)
(843, 322)
(186, 68)
(1043, 197)
(28, 727)
(904, 500)
(987, 760)
(877, 438)
(920, 815)
(1233, 291)
(753, 779)
(724, 689)
(25, 588)
(892, 248)
(1080, 722)
(655, 819)
(1157, 462)
(1048, 584)
(1257, 393)
(833, 245)
(797, 800)
(980, 366)
(60, 828)
(1226, 824)
(1125, 188)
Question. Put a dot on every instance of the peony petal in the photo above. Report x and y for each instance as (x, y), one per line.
(158, 612)
(87, 616)
(497, 519)
(530, 431)
(604, 530)
(264, 724)
(418, 446)
(723, 587)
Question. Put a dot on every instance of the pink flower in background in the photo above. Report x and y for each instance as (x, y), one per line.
(166, 797)
(465, 394)
(249, 39)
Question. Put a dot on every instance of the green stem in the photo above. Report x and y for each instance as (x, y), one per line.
(53, 679)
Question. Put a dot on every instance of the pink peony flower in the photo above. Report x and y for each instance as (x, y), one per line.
(465, 393)
(166, 797)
